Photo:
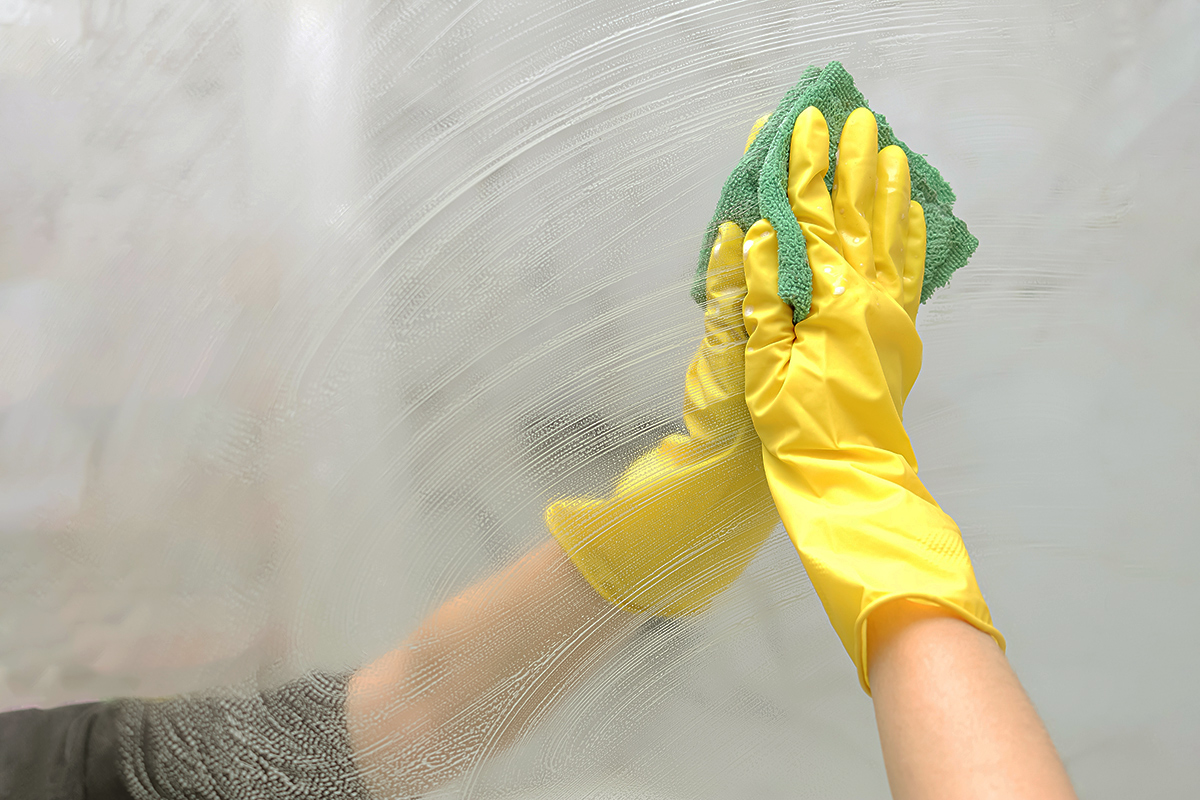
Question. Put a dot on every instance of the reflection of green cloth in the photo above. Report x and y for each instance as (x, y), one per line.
(757, 189)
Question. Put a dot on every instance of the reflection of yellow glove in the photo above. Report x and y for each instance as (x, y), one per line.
(826, 395)
(689, 515)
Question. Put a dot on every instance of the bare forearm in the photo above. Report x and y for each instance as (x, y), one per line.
(476, 672)
(953, 720)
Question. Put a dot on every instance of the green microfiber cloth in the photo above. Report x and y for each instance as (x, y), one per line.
(757, 189)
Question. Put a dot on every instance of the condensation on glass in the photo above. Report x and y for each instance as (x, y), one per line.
(308, 308)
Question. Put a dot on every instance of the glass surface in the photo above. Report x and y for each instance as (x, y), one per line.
(307, 309)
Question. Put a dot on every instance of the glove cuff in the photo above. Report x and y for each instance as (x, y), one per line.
(679, 529)
(870, 534)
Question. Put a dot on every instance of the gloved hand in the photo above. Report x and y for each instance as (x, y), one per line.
(827, 394)
(688, 516)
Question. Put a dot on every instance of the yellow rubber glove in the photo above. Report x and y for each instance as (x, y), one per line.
(688, 516)
(826, 395)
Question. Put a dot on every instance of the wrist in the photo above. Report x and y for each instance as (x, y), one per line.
(911, 629)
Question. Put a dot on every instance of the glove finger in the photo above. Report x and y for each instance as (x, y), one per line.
(725, 281)
(768, 319)
(715, 388)
(854, 190)
(808, 162)
(889, 230)
(725, 275)
(914, 259)
(758, 123)
(726, 285)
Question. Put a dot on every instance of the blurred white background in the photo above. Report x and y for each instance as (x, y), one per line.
(308, 308)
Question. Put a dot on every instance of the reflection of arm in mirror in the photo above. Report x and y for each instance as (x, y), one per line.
(477, 673)
(684, 521)
(682, 524)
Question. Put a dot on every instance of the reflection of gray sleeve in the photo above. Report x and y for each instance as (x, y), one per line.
(63, 753)
(289, 742)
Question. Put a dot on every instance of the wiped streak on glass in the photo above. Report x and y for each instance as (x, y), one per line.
(308, 309)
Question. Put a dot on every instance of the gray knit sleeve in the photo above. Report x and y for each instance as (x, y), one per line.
(289, 742)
